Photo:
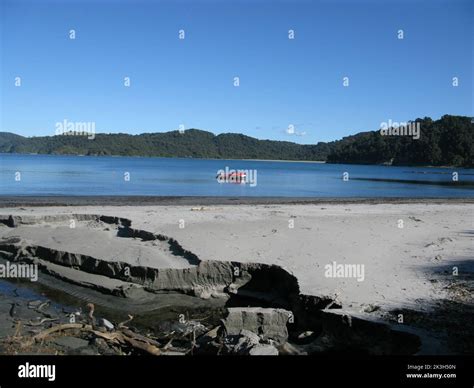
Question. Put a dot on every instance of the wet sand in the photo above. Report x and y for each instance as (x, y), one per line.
(18, 201)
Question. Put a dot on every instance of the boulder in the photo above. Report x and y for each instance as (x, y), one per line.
(268, 323)
(246, 342)
(263, 350)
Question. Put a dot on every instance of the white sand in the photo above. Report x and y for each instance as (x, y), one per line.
(399, 262)
(99, 242)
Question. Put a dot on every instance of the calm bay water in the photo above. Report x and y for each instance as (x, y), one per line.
(87, 175)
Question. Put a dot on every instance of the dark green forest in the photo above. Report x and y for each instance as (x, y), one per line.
(448, 141)
(193, 143)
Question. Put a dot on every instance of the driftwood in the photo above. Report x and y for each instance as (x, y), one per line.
(139, 337)
(151, 349)
(133, 339)
(120, 336)
(122, 324)
(66, 326)
(18, 329)
(124, 336)
(42, 321)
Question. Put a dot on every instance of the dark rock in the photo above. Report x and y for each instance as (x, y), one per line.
(71, 342)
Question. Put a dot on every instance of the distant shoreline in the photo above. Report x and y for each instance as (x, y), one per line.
(244, 160)
(170, 157)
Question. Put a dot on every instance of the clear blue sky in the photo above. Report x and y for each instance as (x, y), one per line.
(190, 81)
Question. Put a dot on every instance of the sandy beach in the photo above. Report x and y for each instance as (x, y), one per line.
(402, 256)
(402, 246)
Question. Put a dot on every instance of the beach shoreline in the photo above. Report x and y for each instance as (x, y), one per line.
(99, 200)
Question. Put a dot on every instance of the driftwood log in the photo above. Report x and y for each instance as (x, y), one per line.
(123, 337)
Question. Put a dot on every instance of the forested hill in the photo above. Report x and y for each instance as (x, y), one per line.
(448, 141)
(191, 143)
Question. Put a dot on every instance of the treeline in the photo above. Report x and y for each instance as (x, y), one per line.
(192, 143)
(448, 141)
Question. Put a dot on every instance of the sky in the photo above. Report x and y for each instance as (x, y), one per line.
(289, 89)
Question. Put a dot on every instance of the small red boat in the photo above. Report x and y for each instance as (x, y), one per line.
(233, 177)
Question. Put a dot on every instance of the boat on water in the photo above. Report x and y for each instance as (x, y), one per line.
(232, 177)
